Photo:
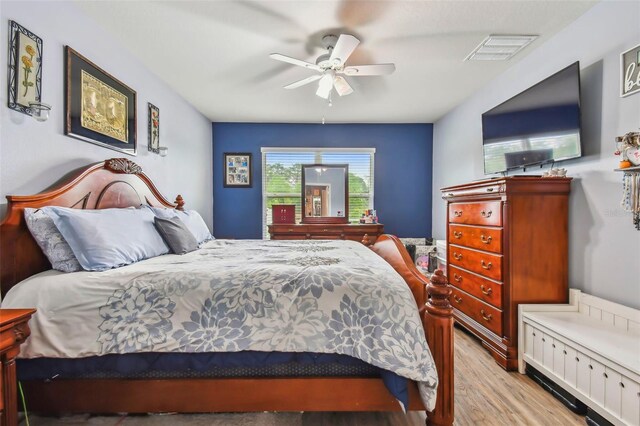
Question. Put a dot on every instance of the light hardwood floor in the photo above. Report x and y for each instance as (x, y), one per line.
(485, 395)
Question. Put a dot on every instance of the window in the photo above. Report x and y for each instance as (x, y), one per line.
(282, 177)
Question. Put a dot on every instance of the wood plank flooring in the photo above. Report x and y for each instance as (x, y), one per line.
(485, 395)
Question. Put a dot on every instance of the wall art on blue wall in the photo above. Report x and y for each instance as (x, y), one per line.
(25, 68)
(237, 170)
(99, 108)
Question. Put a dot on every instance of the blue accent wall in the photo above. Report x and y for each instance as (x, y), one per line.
(403, 169)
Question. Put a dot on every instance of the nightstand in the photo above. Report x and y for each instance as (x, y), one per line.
(13, 331)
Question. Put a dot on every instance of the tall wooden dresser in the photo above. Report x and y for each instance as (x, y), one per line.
(506, 245)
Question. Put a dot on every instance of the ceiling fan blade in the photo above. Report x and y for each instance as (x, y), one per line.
(342, 87)
(294, 61)
(344, 48)
(325, 85)
(379, 69)
(304, 81)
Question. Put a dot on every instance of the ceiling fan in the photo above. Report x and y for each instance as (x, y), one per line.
(332, 66)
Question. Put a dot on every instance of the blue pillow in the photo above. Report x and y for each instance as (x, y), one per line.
(109, 238)
(190, 218)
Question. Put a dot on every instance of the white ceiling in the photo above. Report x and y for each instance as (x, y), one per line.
(215, 53)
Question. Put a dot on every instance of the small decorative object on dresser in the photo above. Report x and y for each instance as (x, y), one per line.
(99, 109)
(154, 128)
(507, 244)
(13, 331)
(630, 68)
(25, 68)
(237, 170)
(283, 213)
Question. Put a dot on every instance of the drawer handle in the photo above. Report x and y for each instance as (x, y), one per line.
(486, 266)
(457, 277)
(590, 367)
(534, 333)
(451, 194)
(544, 340)
(621, 385)
(605, 375)
(457, 299)
(577, 359)
(457, 234)
(457, 213)
(489, 189)
(553, 345)
(485, 316)
(486, 214)
(290, 230)
(457, 256)
(325, 230)
(486, 240)
(564, 352)
(487, 292)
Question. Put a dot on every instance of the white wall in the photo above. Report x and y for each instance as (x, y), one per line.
(604, 245)
(33, 155)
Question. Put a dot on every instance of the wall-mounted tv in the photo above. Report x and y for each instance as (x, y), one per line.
(538, 126)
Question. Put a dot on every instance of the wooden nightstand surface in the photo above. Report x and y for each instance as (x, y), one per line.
(13, 331)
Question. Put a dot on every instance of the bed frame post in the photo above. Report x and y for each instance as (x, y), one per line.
(179, 203)
(438, 327)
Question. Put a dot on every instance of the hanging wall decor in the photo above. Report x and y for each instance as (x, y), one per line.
(630, 64)
(154, 128)
(25, 68)
(237, 170)
(99, 109)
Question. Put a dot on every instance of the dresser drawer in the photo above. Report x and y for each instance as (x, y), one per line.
(482, 288)
(489, 239)
(481, 312)
(482, 213)
(486, 264)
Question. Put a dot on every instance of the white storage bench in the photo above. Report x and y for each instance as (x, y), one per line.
(590, 348)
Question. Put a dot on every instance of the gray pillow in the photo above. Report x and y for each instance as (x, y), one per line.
(51, 241)
(176, 234)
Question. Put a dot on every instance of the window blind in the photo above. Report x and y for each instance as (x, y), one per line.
(282, 177)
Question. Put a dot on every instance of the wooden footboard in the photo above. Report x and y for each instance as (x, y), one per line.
(432, 297)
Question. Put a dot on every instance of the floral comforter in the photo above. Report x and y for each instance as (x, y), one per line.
(286, 296)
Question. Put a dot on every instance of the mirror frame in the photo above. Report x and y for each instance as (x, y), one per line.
(329, 219)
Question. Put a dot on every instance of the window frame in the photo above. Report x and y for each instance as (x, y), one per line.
(318, 151)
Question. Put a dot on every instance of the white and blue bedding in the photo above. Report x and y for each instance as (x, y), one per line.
(332, 297)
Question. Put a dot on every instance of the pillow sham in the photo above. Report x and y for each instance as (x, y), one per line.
(51, 241)
(176, 234)
(108, 238)
(190, 218)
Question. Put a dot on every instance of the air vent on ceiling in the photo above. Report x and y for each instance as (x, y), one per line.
(500, 47)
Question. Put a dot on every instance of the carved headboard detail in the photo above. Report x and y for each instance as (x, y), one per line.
(116, 182)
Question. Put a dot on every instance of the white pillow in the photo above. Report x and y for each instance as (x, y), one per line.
(108, 238)
(191, 219)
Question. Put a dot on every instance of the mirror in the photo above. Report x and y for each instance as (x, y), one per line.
(325, 193)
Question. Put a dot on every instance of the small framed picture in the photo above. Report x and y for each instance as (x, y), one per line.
(154, 128)
(630, 69)
(237, 170)
(25, 68)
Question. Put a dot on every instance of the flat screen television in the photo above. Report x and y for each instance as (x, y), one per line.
(538, 126)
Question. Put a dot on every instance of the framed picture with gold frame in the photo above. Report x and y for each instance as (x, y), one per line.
(98, 108)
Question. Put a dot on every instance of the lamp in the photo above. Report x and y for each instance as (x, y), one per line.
(163, 151)
(39, 111)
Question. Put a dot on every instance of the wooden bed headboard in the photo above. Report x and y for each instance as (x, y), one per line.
(117, 182)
